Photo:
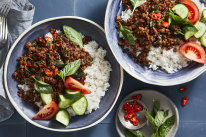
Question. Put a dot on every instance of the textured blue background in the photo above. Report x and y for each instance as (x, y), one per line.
(192, 117)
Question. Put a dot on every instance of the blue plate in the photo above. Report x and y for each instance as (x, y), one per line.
(144, 74)
(87, 28)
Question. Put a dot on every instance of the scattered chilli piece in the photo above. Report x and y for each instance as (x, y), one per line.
(137, 97)
(48, 72)
(182, 89)
(165, 24)
(156, 16)
(48, 39)
(184, 101)
(55, 71)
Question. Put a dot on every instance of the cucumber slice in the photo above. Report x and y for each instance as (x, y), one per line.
(80, 106)
(64, 102)
(201, 29)
(203, 18)
(46, 98)
(181, 10)
(63, 117)
(73, 95)
(189, 31)
(203, 40)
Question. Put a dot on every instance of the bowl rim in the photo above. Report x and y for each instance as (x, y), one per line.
(134, 75)
(15, 104)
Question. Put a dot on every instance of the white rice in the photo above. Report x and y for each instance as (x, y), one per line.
(168, 60)
(97, 79)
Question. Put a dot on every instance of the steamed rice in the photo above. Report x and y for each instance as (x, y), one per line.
(167, 60)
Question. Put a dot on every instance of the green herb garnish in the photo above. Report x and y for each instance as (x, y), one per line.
(137, 3)
(127, 34)
(25, 67)
(42, 87)
(69, 69)
(133, 133)
(73, 35)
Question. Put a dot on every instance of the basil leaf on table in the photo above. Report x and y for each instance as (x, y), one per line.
(69, 69)
(156, 107)
(137, 3)
(165, 128)
(73, 35)
(149, 118)
(42, 87)
(159, 118)
(127, 34)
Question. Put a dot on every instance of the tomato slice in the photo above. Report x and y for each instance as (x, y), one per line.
(193, 51)
(194, 13)
(47, 112)
(73, 84)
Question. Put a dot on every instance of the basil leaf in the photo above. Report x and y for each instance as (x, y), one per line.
(166, 113)
(127, 34)
(69, 69)
(137, 133)
(150, 118)
(165, 128)
(25, 67)
(156, 107)
(159, 118)
(73, 35)
(42, 87)
(79, 74)
(128, 133)
(178, 20)
(137, 3)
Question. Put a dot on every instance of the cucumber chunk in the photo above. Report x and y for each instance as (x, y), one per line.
(181, 10)
(203, 18)
(63, 117)
(46, 98)
(203, 40)
(189, 31)
(64, 102)
(80, 106)
(73, 95)
(201, 29)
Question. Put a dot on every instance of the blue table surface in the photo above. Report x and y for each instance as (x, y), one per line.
(192, 117)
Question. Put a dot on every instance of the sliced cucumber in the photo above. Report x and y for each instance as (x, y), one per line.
(201, 29)
(46, 98)
(189, 31)
(73, 95)
(63, 117)
(181, 10)
(80, 106)
(203, 18)
(64, 102)
(203, 40)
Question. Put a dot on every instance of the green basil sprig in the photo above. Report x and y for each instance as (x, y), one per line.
(69, 69)
(160, 121)
(73, 35)
(127, 34)
(42, 87)
(133, 133)
(137, 3)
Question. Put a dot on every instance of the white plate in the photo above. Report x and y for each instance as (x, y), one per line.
(148, 97)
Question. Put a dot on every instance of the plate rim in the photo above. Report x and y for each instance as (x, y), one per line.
(149, 90)
(14, 103)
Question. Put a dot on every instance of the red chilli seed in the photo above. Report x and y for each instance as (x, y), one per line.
(184, 101)
(182, 89)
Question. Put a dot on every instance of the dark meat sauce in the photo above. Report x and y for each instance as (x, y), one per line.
(48, 55)
(149, 31)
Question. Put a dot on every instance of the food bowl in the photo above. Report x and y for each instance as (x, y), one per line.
(87, 28)
(144, 74)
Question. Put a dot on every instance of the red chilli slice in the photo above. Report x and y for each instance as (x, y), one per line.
(137, 97)
(182, 89)
(184, 101)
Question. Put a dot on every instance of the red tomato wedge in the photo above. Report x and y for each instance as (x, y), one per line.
(47, 112)
(194, 13)
(73, 84)
(193, 51)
